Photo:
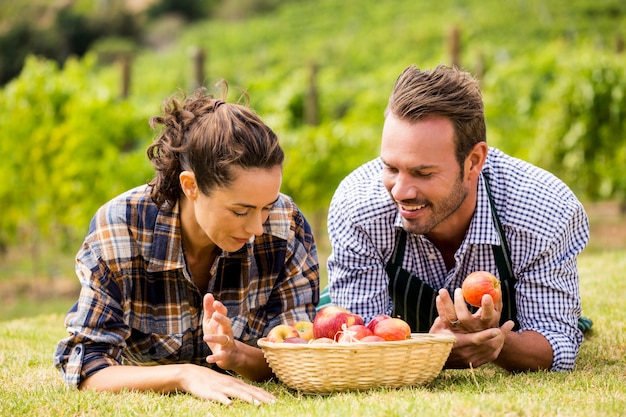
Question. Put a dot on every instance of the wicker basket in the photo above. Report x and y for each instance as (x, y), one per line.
(325, 368)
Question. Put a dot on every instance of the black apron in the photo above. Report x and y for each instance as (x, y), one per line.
(414, 300)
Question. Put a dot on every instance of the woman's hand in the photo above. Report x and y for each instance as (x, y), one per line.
(228, 353)
(218, 334)
(196, 380)
(211, 385)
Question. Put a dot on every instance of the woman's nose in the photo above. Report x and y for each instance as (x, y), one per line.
(255, 225)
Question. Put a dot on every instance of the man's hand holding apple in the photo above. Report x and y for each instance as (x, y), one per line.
(479, 336)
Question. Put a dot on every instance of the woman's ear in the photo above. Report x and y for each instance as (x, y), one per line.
(188, 184)
(476, 159)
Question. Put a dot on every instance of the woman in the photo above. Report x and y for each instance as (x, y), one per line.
(187, 272)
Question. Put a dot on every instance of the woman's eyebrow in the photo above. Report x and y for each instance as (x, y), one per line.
(246, 205)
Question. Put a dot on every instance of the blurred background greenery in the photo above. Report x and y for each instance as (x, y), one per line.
(80, 78)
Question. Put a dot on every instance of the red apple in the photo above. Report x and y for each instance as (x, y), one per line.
(354, 333)
(393, 329)
(329, 319)
(296, 340)
(322, 340)
(372, 338)
(479, 283)
(304, 328)
(372, 324)
(281, 332)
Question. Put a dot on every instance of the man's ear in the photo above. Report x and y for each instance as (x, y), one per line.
(188, 184)
(475, 160)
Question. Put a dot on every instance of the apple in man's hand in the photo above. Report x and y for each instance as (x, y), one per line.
(479, 283)
(329, 319)
(281, 332)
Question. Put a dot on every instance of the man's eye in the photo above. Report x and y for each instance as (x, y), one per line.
(240, 214)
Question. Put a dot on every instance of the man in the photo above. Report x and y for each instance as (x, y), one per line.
(438, 204)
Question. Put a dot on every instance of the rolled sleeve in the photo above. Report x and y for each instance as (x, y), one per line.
(69, 362)
(564, 349)
(96, 331)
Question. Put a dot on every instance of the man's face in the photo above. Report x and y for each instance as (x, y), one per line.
(423, 176)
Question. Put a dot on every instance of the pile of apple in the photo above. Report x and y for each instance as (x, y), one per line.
(334, 324)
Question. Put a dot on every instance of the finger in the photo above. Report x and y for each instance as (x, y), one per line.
(222, 320)
(207, 303)
(220, 307)
(445, 307)
(487, 301)
(485, 336)
(460, 306)
(487, 311)
(259, 395)
(507, 326)
(499, 304)
(223, 339)
(216, 357)
(440, 326)
(249, 393)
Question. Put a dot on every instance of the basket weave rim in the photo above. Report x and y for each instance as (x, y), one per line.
(416, 338)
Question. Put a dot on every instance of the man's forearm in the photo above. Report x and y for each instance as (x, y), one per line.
(525, 351)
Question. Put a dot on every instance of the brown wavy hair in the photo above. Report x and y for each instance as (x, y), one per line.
(444, 91)
(209, 137)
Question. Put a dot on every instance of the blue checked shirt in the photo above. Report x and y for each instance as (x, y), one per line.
(544, 223)
(138, 305)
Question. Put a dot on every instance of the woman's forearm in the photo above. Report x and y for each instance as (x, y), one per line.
(161, 378)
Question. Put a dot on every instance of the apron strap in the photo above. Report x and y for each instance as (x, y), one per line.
(502, 256)
(413, 299)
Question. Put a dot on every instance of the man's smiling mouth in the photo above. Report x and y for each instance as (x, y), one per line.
(411, 207)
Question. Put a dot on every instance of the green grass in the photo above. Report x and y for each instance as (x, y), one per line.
(30, 386)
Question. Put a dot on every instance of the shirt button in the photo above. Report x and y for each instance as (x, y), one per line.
(432, 256)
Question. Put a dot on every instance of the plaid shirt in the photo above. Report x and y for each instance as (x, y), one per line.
(138, 304)
(545, 225)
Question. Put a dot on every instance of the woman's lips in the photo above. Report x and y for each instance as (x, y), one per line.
(241, 240)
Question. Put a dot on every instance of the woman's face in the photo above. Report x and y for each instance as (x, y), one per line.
(230, 216)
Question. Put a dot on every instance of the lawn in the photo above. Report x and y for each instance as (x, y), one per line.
(29, 385)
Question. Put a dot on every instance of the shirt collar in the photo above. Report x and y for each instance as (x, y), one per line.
(167, 251)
